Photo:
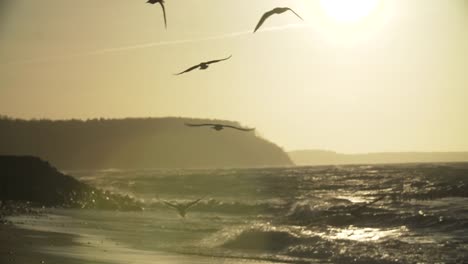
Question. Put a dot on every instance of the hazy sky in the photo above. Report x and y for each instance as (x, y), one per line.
(387, 75)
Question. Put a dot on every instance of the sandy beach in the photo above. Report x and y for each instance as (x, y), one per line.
(30, 246)
(24, 246)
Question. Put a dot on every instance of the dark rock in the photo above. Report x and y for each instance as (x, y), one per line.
(30, 179)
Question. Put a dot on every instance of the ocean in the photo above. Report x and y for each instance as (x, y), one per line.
(411, 213)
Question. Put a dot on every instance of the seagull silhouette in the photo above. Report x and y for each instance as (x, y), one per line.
(278, 10)
(161, 2)
(219, 127)
(182, 207)
(203, 65)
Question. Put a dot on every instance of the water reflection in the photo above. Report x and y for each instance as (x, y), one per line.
(364, 233)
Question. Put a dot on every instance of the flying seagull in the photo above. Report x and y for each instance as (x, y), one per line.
(161, 2)
(203, 65)
(278, 10)
(219, 127)
(182, 207)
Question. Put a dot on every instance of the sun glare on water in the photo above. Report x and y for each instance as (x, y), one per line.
(349, 11)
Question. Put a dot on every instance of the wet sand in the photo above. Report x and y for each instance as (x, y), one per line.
(23, 246)
(29, 246)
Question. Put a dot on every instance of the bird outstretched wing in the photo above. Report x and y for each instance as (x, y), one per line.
(277, 10)
(263, 18)
(164, 13)
(167, 203)
(188, 205)
(189, 69)
(171, 204)
(240, 128)
(295, 13)
(161, 2)
(215, 61)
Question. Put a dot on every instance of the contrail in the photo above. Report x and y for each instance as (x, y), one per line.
(154, 44)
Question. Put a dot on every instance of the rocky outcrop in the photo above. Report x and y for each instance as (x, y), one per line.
(30, 179)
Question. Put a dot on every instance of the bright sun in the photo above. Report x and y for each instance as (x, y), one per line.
(349, 11)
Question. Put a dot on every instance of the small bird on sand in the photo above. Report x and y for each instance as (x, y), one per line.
(278, 10)
(219, 127)
(182, 207)
(203, 65)
(161, 2)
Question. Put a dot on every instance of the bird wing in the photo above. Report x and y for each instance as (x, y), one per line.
(164, 13)
(168, 203)
(171, 205)
(278, 10)
(189, 69)
(263, 18)
(295, 13)
(214, 61)
(240, 128)
(194, 202)
(199, 125)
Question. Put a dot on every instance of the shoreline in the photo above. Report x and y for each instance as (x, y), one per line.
(31, 245)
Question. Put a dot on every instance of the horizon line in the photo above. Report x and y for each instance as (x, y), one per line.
(378, 152)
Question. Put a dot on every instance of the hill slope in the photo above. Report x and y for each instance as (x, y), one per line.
(136, 143)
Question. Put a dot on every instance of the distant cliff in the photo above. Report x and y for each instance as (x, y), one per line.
(322, 157)
(30, 179)
(137, 143)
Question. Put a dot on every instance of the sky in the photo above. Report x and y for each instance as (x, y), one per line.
(355, 76)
